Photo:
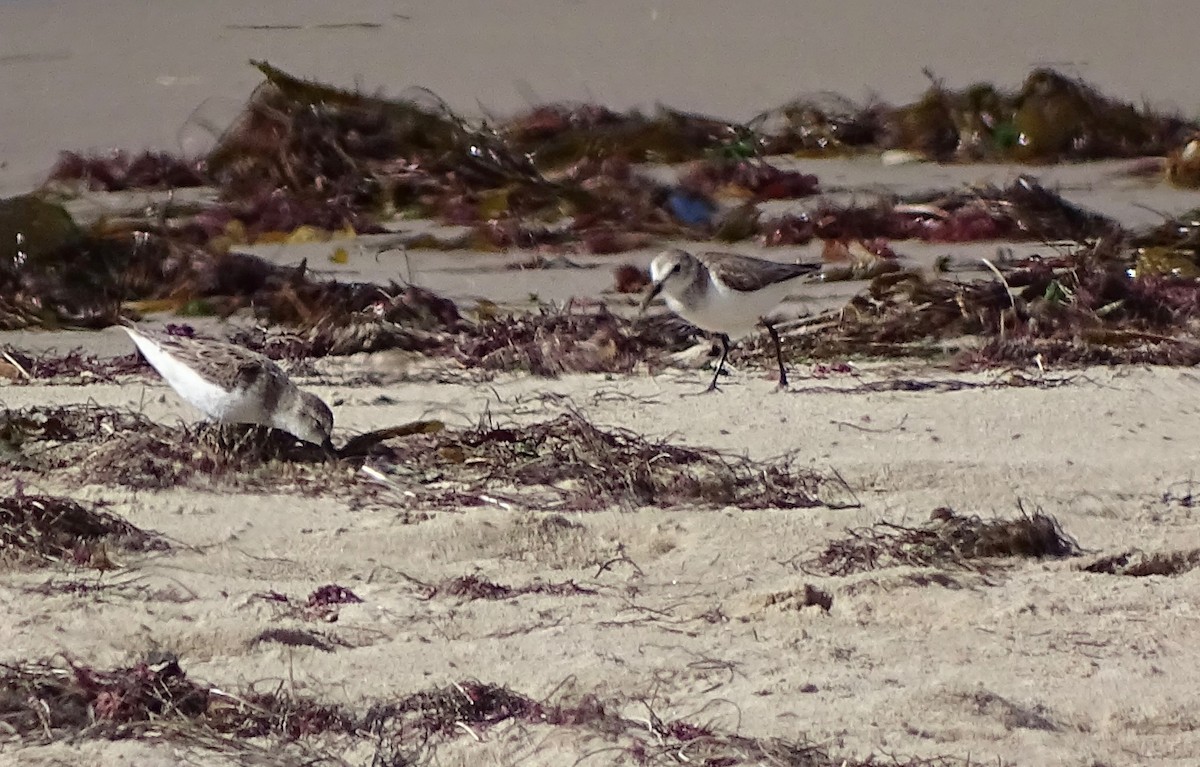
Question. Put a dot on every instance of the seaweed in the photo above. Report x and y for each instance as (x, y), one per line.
(291, 637)
(332, 594)
(573, 339)
(93, 280)
(568, 460)
(557, 135)
(570, 463)
(630, 279)
(323, 604)
(117, 171)
(1139, 564)
(124, 448)
(155, 699)
(821, 125)
(337, 159)
(949, 540)
(472, 587)
(1056, 117)
(1022, 211)
(1085, 306)
(305, 156)
(46, 700)
(1051, 118)
(74, 364)
(43, 528)
(755, 180)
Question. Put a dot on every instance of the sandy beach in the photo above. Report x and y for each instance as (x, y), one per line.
(1038, 664)
(708, 615)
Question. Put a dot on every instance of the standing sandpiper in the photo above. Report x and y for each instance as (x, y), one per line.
(725, 293)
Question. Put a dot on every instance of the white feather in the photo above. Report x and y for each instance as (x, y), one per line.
(207, 397)
(719, 309)
(723, 310)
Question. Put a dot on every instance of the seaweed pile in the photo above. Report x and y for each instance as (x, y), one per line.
(60, 276)
(297, 134)
(323, 604)
(566, 463)
(306, 160)
(91, 444)
(574, 339)
(45, 699)
(42, 529)
(155, 699)
(1096, 304)
(1140, 564)
(307, 157)
(1024, 210)
(472, 587)
(949, 540)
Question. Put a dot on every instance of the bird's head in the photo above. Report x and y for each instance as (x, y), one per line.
(310, 419)
(670, 272)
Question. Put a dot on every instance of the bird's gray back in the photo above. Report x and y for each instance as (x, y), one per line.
(747, 274)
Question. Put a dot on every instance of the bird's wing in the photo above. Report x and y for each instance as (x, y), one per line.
(227, 365)
(746, 273)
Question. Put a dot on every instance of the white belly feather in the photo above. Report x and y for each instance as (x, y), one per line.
(734, 313)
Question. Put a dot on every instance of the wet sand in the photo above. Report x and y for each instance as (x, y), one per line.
(71, 79)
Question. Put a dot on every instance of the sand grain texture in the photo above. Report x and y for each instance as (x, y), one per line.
(1028, 662)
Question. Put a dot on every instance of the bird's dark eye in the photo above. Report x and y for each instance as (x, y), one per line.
(675, 268)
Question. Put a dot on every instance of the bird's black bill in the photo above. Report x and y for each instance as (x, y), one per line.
(330, 451)
(655, 289)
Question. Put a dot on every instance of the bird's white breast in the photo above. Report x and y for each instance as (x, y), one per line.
(723, 310)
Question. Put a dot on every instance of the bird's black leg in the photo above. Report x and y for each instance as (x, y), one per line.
(778, 354)
(720, 364)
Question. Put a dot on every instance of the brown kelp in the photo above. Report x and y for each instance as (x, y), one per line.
(1022, 210)
(154, 699)
(567, 462)
(948, 540)
(303, 153)
(43, 528)
(309, 159)
(570, 463)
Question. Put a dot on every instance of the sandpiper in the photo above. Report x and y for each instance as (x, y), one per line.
(231, 384)
(725, 293)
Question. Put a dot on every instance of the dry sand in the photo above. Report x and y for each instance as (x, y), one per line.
(1038, 664)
